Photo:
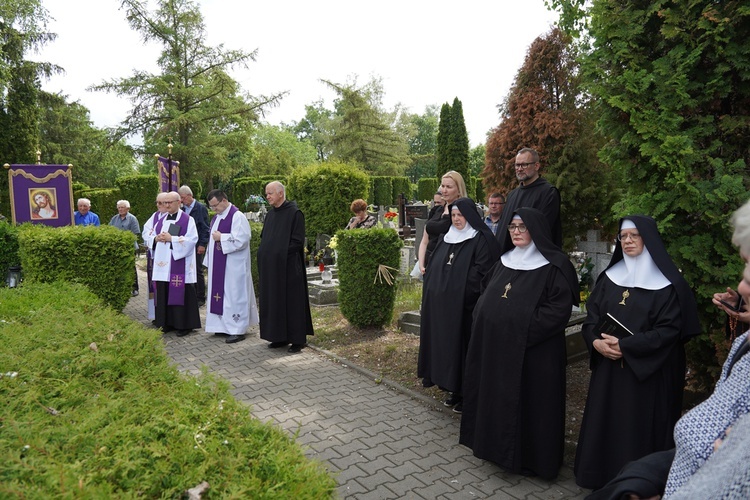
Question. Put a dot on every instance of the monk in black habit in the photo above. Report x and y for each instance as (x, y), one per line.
(451, 288)
(284, 302)
(514, 385)
(635, 393)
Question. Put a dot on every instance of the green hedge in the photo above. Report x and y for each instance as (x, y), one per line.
(120, 420)
(102, 258)
(140, 191)
(364, 299)
(8, 248)
(244, 187)
(426, 188)
(324, 193)
(382, 191)
(401, 185)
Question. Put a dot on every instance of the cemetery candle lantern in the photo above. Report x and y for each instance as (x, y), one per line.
(13, 277)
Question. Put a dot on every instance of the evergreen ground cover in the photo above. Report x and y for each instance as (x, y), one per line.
(92, 408)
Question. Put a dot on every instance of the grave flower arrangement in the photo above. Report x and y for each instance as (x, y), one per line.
(254, 202)
(391, 216)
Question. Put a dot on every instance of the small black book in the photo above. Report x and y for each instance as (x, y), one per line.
(611, 326)
(174, 230)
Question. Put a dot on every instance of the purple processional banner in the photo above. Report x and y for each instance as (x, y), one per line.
(41, 194)
(168, 182)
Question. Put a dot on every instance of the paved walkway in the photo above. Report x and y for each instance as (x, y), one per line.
(380, 442)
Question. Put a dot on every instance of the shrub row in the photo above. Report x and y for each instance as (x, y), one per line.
(119, 420)
(101, 258)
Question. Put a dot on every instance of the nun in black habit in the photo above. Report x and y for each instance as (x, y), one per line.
(451, 289)
(514, 386)
(635, 392)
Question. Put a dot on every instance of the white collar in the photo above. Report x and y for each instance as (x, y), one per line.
(454, 235)
(638, 272)
(525, 258)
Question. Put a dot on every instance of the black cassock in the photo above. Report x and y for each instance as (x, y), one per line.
(633, 403)
(450, 291)
(514, 386)
(284, 302)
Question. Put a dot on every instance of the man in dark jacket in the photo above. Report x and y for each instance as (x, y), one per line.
(199, 213)
(533, 192)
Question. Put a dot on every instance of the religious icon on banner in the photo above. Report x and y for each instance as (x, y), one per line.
(42, 203)
(41, 194)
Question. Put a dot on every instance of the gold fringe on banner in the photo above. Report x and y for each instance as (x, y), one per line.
(384, 273)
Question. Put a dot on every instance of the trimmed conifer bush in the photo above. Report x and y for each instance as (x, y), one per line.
(401, 185)
(382, 190)
(140, 191)
(426, 188)
(366, 298)
(324, 193)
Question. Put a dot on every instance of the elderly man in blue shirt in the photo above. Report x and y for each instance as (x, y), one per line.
(84, 216)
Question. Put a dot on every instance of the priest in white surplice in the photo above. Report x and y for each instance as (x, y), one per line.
(174, 273)
(231, 308)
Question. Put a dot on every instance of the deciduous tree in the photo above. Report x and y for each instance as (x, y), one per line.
(193, 99)
(546, 110)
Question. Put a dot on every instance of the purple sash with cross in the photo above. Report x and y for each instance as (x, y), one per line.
(177, 267)
(219, 264)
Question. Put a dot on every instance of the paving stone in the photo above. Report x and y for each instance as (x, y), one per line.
(379, 442)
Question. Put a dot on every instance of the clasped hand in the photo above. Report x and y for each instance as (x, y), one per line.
(608, 346)
(164, 237)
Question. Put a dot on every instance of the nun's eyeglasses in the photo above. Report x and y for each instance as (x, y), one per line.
(625, 236)
(521, 228)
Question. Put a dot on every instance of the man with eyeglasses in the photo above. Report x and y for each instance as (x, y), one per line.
(496, 203)
(174, 273)
(535, 192)
(199, 213)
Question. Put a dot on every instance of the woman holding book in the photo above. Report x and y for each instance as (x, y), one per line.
(638, 370)
(514, 384)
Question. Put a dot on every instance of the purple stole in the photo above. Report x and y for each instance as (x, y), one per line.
(177, 267)
(219, 264)
(150, 262)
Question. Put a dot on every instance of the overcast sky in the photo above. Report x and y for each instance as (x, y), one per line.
(426, 52)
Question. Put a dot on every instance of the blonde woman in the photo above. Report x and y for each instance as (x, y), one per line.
(452, 187)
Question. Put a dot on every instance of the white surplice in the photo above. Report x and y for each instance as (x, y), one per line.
(240, 308)
(148, 234)
(182, 247)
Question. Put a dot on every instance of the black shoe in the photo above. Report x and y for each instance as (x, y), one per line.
(220, 334)
(458, 408)
(166, 329)
(234, 338)
(295, 348)
(453, 400)
(276, 345)
(134, 293)
(182, 333)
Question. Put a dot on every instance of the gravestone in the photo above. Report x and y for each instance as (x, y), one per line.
(416, 211)
(597, 250)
